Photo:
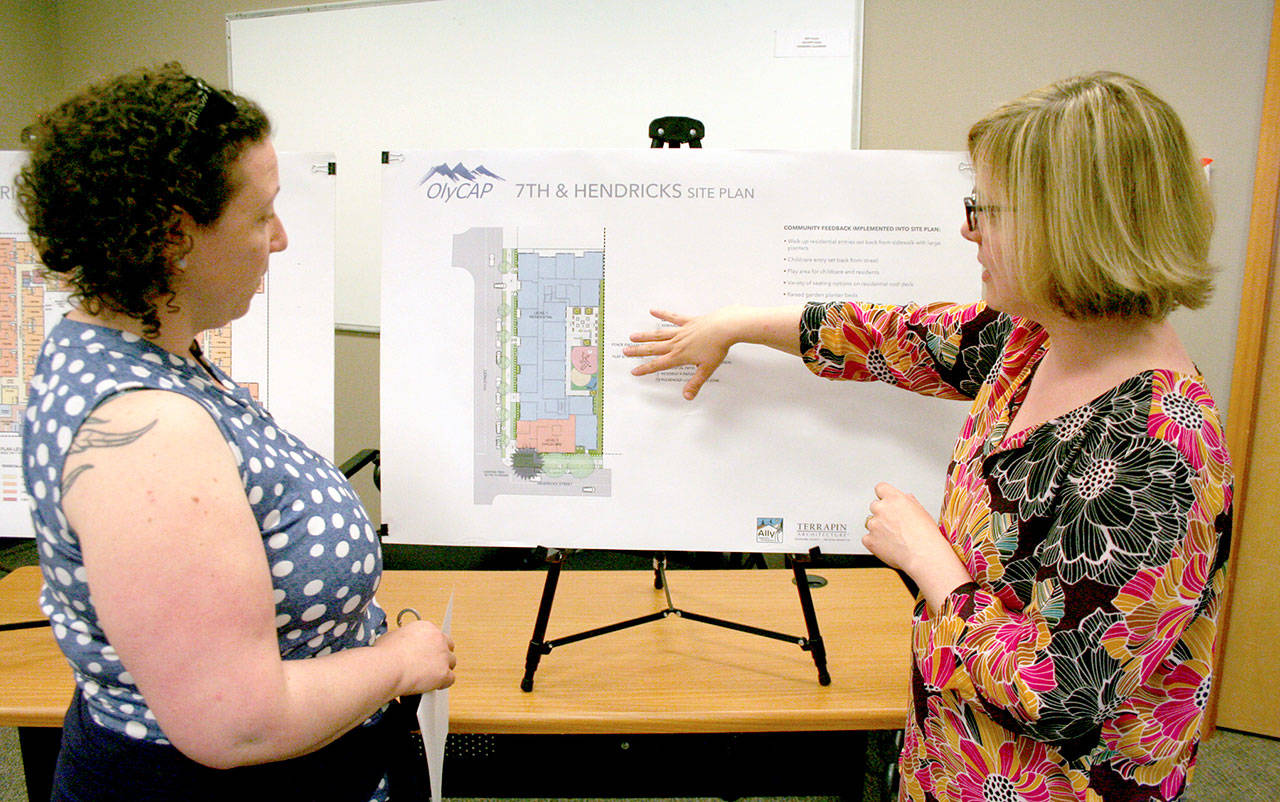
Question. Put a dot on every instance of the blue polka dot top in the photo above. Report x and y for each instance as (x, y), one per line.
(322, 549)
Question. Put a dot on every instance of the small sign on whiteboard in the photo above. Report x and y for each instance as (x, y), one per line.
(811, 43)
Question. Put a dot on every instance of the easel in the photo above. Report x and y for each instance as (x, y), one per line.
(671, 131)
(538, 645)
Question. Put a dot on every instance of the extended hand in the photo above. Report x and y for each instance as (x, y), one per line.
(699, 341)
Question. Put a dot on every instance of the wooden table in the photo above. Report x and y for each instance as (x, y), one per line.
(667, 677)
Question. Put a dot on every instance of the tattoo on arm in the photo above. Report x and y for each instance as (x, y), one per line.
(68, 479)
(92, 435)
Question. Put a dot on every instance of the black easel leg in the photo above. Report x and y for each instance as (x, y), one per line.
(816, 645)
(537, 644)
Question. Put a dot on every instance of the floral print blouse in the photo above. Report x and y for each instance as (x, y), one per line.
(1077, 664)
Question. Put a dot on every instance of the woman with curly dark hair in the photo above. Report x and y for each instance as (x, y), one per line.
(209, 577)
(1070, 587)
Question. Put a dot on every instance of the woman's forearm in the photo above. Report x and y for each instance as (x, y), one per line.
(777, 327)
(302, 705)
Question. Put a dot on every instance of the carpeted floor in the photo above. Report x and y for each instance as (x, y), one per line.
(1233, 767)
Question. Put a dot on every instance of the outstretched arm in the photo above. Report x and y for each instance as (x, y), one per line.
(705, 340)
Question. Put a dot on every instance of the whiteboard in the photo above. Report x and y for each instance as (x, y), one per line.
(362, 78)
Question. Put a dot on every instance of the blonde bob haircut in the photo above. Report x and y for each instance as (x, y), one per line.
(1107, 207)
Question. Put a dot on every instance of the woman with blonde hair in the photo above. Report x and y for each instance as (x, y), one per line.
(1070, 589)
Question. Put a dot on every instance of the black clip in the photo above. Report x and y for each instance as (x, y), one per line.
(676, 131)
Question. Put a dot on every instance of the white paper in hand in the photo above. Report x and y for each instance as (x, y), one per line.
(433, 718)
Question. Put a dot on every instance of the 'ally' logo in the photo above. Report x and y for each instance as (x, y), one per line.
(768, 530)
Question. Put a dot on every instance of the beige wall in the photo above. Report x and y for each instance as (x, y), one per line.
(930, 67)
(28, 65)
(355, 412)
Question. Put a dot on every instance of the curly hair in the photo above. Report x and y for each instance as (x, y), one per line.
(111, 169)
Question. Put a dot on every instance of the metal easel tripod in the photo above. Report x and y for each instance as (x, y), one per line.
(539, 646)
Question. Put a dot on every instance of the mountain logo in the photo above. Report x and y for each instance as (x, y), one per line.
(768, 530)
(459, 172)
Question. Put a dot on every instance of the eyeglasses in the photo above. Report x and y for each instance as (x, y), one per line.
(972, 208)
